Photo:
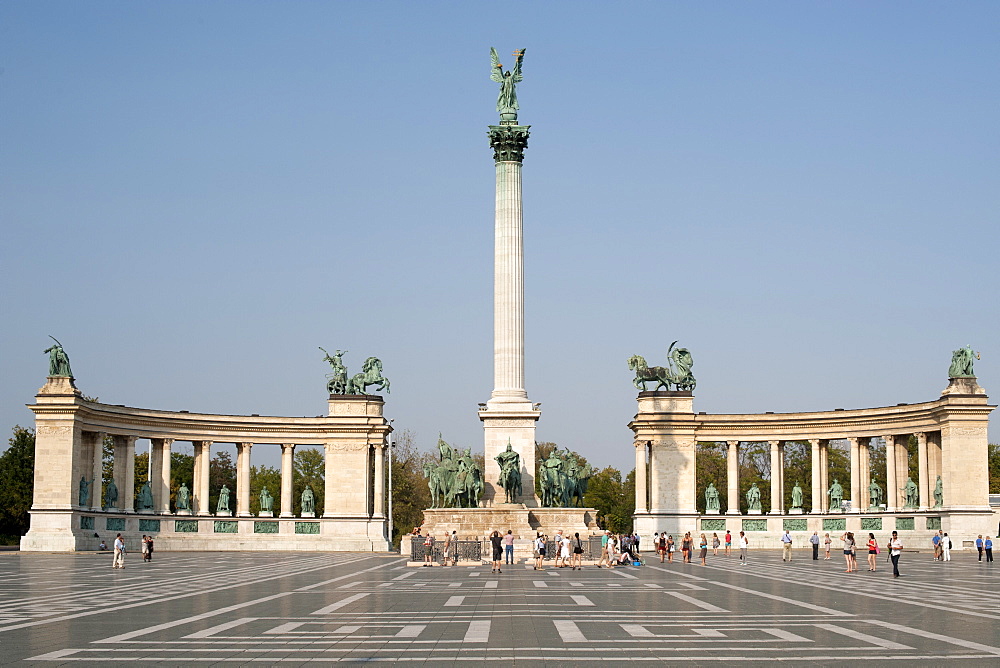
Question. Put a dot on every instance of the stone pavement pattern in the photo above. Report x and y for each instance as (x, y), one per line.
(231, 608)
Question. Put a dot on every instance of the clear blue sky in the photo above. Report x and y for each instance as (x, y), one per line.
(197, 195)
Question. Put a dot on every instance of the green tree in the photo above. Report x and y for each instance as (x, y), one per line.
(141, 472)
(410, 494)
(994, 467)
(17, 471)
(710, 463)
(309, 469)
(613, 498)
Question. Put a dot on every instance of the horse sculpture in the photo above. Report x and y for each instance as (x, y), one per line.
(371, 374)
(678, 373)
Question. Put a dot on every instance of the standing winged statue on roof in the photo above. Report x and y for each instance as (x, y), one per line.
(507, 99)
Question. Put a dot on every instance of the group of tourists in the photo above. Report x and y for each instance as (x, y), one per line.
(568, 551)
(665, 546)
(119, 550)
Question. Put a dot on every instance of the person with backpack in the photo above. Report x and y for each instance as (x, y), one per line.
(577, 545)
(429, 550)
(872, 552)
(945, 548)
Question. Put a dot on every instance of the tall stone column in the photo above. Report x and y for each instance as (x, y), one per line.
(641, 475)
(128, 487)
(118, 467)
(653, 481)
(97, 472)
(816, 477)
(824, 473)
(287, 471)
(509, 416)
(781, 478)
(891, 486)
(243, 479)
(202, 471)
(329, 479)
(378, 499)
(732, 478)
(855, 474)
(165, 445)
(153, 472)
(923, 485)
(775, 477)
(866, 474)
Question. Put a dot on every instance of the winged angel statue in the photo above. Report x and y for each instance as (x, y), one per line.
(507, 99)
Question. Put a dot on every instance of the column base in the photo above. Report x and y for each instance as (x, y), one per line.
(224, 513)
(286, 515)
(266, 513)
(733, 512)
(184, 511)
(308, 515)
(795, 511)
(711, 512)
(755, 512)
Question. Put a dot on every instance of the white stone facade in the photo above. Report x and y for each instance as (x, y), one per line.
(70, 432)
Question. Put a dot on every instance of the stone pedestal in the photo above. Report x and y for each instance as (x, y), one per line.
(795, 511)
(224, 513)
(754, 512)
(477, 523)
(266, 513)
(310, 514)
(185, 511)
(512, 423)
(711, 512)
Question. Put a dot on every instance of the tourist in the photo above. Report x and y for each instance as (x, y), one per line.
(988, 549)
(428, 549)
(613, 545)
(715, 544)
(814, 541)
(945, 548)
(564, 551)
(144, 549)
(979, 546)
(558, 548)
(703, 548)
(895, 549)
(670, 549)
(508, 547)
(119, 558)
(539, 551)
(936, 542)
(635, 541)
(686, 546)
(448, 547)
(149, 548)
(605, 539)
(729, 543)
(786, 546)
(826, 546)
(849, 555)
(744, 545)
(872, 551)
(497, 541)
(577, 552)
(103, 546)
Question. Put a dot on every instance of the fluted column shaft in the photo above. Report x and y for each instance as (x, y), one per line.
(243, 479)
(165, 446)
(202, 470)
(816, 477)
(824, 473)
(891, 485)
(508, 285)
(128, 488)
(923, 473)
(287, 469)
(641, 504)
(97, 488)
(855, 474)
(732, 478)
(378, 503)
(775, 477)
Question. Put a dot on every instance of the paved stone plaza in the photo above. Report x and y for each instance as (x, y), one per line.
(187, 608)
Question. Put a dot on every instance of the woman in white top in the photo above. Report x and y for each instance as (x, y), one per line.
(564, 551)
(612, 550)
(744, 545)
(945, 548)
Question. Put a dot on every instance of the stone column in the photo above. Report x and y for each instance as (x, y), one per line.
(775, 477)
(814, 471)
(733, 478)
(202, 470)
(923, 485)
(653, 481)
(165, 445)
(97, 472)
(287, 469)
(153, 472)
(118, 467)
(866, 474)
(781, 468)
(243, 479)
(378, 502)
(641, 475)
(855, 474)
(129, 480)
(891, 486)
(330, 475)
(824, 475)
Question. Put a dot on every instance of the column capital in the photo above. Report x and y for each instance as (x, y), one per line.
(733, 444)
(814, 442)
(508, 142)
(921, 436)
(774, 444)
(287, 446)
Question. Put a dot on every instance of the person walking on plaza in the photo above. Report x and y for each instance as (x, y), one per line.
(872, 551)
(936, 542)
(149, 548)
(119, 558)
(496, 540)
(605, 539)
(661, 546)
(988, 548)
(849, 555)
(577, 552)
(508, 547)
(144, 548)
(895, 549)
(744, 545)
(814, 541)
(428, 550)
(786, 546)
(539, 552)
(979, 546)
(670, 549)
(945, 548)
(703, 548)
(565, 552)
(449, 545)
(729, 543)
(687, 547)
(715, 544)
(826, 546)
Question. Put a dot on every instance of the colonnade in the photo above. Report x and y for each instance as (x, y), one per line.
(857, 488)
(159, 476)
